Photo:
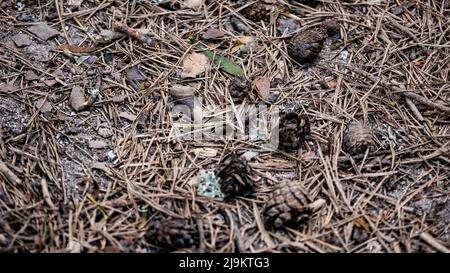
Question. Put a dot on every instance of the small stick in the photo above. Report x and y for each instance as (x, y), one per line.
(9, 174)
(420, 99)
(414, 109)
(433, 242)
(426, 102)
(133, 33)
(46, 194)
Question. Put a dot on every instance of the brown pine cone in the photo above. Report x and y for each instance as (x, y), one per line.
(293, 129)
(331, 26)
(235, 176)
(239, 89)
(288, 205)
(357, 138)
(255, 12)
(305, 46)
(172, 234)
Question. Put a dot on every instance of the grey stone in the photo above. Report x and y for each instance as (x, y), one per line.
(43, 31)
(105, 132)
(77, 99)
(97, 144)
(22, 40)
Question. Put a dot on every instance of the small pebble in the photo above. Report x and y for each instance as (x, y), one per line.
(105, 132)
(77, 99)
(22, 40)
(97, 144)
(43, 31)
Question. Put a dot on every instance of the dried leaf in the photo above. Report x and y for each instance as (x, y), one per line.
(263, 87)
(75, 48)
(244, 43)
(361, 223)
(194, 64)
(332, 84)
(213, 34)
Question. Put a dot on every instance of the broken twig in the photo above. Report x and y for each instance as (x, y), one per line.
(9, 174)
(133, 33)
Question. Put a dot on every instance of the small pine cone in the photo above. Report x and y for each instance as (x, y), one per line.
(293, 129)
(255, 12)
(288, 205)
(331, 26)
(305, 46)
(235, 176)
(172, 234)
(239, 89)
(357, 138)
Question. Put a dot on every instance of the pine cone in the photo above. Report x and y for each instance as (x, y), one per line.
(331, 26)
(255, 12)
(305, 46)
(239, 89)
(293, 129)
(357, 138)
(288, 205)
(235, 176)
(172, 234)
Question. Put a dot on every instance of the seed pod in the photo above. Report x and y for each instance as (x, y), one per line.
(235, 176)
(255, 12)
(288, 205)
(357, 138)
(239, 89)
(305, 46)
(172, 234)
(293, 130)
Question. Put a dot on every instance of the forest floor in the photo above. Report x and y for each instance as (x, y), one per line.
(91, 159)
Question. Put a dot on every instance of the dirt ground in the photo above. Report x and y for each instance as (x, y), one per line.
(90, 160)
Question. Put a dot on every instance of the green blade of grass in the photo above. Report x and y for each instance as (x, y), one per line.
(224, 64)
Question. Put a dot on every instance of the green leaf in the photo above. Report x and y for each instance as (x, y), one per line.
(224, 64)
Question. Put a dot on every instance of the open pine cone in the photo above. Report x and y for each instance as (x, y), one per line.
(288, 205)
(357, 138)
(255, 12)
(172, 234)
(306, 45)
(239, 89)
(293, 129)
(235, 176)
